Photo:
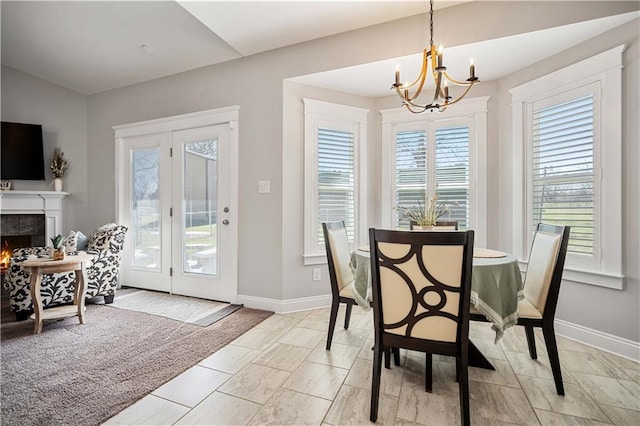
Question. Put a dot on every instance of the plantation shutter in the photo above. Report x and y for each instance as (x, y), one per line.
(336, 180)
(411, 170)
(452, 172)
(563, 169)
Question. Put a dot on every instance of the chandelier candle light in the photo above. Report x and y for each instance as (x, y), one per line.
(441, 98)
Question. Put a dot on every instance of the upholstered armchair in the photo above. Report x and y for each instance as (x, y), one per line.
(105, 245)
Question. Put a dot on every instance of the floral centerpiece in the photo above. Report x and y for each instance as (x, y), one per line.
(424, 215)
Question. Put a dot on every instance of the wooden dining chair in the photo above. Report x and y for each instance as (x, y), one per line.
(541, 290)
(442, 225)
(336, 244)
(421, 284)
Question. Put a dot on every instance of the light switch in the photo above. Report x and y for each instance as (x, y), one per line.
(264, 186)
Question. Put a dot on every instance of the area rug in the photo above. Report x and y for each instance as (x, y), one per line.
(186, 309)
(76, 374)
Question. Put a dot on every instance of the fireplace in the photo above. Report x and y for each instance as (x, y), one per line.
(19, 209)
(20, 230)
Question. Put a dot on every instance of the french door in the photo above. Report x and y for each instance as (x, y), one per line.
(178, 198)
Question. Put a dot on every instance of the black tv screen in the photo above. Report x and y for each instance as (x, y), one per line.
(22, 153)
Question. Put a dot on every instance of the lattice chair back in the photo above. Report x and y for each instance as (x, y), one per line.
(420, 284)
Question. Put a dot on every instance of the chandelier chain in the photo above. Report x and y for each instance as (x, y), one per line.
(431, 22)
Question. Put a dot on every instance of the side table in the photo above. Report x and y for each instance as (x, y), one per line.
(39, 267)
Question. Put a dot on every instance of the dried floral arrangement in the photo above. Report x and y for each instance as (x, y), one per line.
(58, 163)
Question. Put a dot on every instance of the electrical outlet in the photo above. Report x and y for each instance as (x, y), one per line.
(264, 186)
(316, 274)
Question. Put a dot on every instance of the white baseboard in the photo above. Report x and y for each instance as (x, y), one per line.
(598, 339)
(285, 306)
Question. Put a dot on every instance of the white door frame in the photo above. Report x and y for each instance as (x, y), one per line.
(227, 115)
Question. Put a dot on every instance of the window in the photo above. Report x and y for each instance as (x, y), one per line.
(562, 178)
(565, 120)
(336, 180)
(441, 167)
(335, 173)
(443, 154)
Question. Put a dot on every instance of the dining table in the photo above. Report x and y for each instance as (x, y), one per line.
(496, 287)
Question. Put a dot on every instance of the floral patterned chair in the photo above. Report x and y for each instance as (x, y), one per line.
(105, 245)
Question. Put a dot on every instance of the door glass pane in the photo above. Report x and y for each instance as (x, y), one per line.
(200, 207)
(145, 208)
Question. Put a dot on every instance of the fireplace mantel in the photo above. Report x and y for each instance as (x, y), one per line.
(48, 203)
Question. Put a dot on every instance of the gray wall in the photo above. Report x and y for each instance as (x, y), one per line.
(63, 115)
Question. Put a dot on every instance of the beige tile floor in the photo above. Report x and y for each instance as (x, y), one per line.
(280, 373)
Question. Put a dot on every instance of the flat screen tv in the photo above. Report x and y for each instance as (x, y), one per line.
(22, 153)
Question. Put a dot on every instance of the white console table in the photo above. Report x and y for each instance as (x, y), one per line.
(48, 203)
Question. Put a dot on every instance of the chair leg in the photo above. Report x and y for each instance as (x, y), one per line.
(332, 322)
(463, 373)
(387, 357)
(554, 360)
(347, 316)
(108, 299)
(375, 381)
(428, 366)
(396, 356)
(531, 341)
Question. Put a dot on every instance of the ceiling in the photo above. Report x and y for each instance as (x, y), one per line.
(94, 46)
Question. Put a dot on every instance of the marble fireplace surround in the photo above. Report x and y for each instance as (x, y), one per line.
(47, 203)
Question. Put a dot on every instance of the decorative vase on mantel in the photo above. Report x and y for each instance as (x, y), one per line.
(57, 184)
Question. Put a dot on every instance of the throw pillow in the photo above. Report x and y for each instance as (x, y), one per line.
(82, 241)
(106, 238)
(71, 242)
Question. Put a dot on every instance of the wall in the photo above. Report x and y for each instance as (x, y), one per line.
(270, 265)
(63, 115)
(615, 312)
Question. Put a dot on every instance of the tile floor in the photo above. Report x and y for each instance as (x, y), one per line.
(279, 373)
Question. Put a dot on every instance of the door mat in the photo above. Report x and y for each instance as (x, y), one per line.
(191, 310)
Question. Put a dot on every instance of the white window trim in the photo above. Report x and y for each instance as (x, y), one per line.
(316, 112)
(605, 69)
(396, 119)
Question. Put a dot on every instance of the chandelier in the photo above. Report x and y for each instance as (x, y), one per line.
(441, 98)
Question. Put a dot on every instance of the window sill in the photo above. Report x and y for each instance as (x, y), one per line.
(314, 259)
(597, 278)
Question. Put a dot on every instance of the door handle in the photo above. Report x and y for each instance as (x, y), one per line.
(225, 222)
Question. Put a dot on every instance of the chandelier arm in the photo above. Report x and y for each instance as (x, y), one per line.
(423, 71)
(461, 96)
(408, 107)
(460, 83)
(408, 104)
(422, 77)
